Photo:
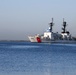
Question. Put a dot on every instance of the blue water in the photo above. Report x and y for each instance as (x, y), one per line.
(25, 58)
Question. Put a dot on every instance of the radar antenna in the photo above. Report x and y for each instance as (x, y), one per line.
(51, 25)
(64, 26)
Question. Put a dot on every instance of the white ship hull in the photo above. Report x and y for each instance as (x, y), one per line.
(32, 38)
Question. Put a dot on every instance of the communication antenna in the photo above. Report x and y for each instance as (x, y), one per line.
(51, 25)
(64, 26)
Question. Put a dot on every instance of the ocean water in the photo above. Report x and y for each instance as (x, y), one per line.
(25, 58)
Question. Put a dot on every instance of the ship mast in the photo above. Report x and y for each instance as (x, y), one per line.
(51, 25)
(64, 26)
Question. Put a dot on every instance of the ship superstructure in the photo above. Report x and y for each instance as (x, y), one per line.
(65, 34)
(48, 35)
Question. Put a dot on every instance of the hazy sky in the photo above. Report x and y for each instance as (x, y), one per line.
(20, 18)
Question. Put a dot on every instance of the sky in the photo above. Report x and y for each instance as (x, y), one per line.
(20, 18)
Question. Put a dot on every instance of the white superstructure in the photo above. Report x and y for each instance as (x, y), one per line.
(48, 35)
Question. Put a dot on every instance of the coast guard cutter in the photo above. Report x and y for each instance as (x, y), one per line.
(49, 36)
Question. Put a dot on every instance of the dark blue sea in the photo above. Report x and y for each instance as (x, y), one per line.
(25, 58)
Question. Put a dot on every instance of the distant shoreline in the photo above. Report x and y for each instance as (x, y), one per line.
(14, 41)
(53, 42)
